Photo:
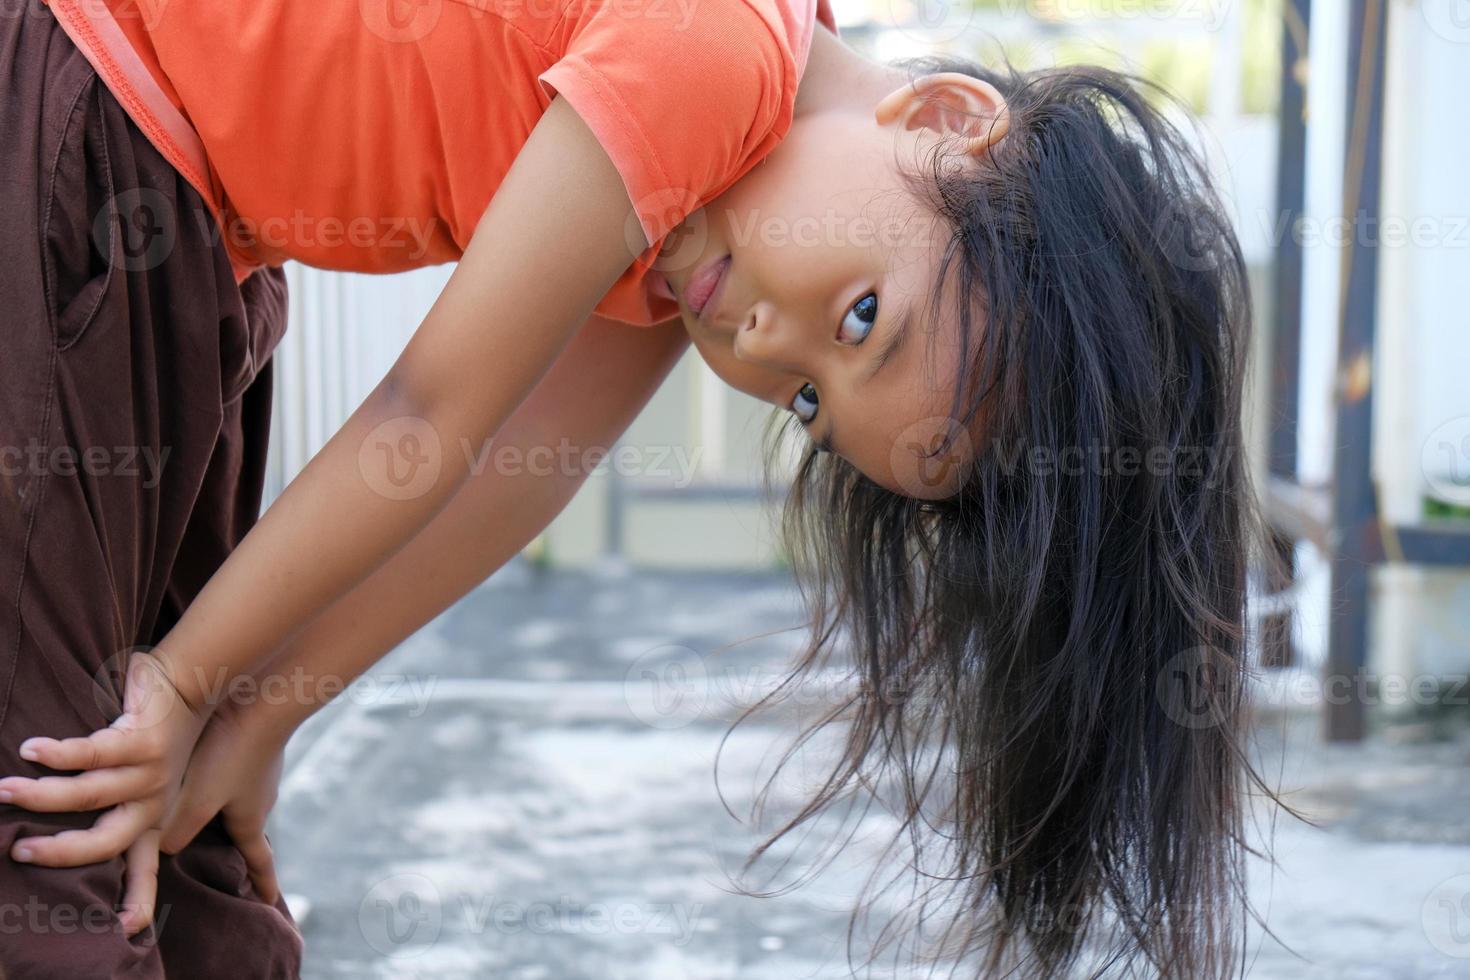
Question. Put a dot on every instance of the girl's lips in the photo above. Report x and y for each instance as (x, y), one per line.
(701, 286)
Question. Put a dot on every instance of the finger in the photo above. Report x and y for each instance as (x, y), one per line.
(102, 749)
(95, 790)
(140, 894)
(260, 863)
(110, 836)
(248, 833)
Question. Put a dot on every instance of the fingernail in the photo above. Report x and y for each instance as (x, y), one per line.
(6, 796)
(22, 854)
(28, 751)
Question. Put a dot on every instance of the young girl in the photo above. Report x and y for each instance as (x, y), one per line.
(1004, 308)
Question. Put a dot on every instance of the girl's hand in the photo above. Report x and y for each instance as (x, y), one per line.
(131, 768)
(235, 772)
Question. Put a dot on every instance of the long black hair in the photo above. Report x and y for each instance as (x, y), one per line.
(1049, 665)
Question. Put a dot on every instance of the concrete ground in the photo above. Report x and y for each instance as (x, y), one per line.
(527, 790)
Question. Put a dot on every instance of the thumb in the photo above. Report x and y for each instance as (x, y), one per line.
(190, 813)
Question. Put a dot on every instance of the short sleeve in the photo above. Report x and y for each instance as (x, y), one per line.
(684, 97)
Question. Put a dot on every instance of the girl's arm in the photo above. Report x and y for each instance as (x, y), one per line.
(497, 510)
(547, 249)
(590, 396)
(549, 246)
(235, 769)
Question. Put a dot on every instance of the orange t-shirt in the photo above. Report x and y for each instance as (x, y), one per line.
(370, 135)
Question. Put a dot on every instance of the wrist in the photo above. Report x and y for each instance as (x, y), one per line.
(258, 721)
(264, 706)
(186, 681)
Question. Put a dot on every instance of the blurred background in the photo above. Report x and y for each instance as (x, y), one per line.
(527, 788)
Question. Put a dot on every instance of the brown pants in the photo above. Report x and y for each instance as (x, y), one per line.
(135, 391)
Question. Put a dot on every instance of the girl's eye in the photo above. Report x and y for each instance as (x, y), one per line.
(805, 403)
(859, 320)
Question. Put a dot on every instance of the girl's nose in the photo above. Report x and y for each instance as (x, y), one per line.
(769, 339)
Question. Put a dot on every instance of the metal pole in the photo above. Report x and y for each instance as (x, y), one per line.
(1286, 307)
(1354, 511)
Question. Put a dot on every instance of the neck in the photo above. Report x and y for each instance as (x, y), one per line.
(839, 78)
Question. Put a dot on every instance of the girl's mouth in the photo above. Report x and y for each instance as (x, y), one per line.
(703, 285)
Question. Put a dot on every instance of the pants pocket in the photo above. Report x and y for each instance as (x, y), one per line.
(81, 229)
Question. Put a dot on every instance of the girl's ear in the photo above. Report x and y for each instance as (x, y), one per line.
(949, 104)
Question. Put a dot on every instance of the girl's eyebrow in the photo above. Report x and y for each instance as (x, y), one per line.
(892, 342)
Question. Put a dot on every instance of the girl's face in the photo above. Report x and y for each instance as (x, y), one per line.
(808, 285)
